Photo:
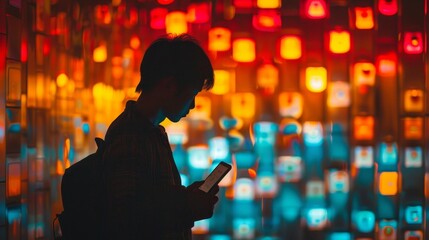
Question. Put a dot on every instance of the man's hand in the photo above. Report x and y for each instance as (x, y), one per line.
(201, 203)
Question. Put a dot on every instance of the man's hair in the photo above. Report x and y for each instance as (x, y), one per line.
(177, 56)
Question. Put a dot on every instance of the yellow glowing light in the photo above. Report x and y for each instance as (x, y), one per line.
(175, 22)
(388, 183)
(268, 3)
(364, 18)
(316, 79)
(62, 80)
(100, 53)
(219, 39)
(290, 47)
(222, 82)
(243, 105)
(339, 41)
(243, 50)
(364, 73)
(134, 42)
(363, 127)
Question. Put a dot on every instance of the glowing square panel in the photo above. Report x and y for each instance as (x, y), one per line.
(316, 79)
(243, 50)
(224, 81)
(364, 18)
(338, 181)
(198, 12)
(243, 105)
(243, 228)
(413, 128)
(413, 100)
(414, 214)
(339, 41)
(413, 157)
(388, 7)
(314, 189)
(244, 189)
(265, 132)
(364, 73)
(413, 235)
(267, 20)
(289, 168)
(387, 230)
(338, 94)
(363, 127)
(386, 65)
(202, 109)
(388, 183)
(340, 236)
(316, 218)
(157, 18)
(219, 148)
(315, 9)
(267, 78)
(313, 133)
(198, 157)
(266, 184)
(363, 157)
(290, 104)
(413, 42)
(364, 221)
(175, 22)
(219, 39)
(388, 154)
(290, 47)
(268, 3)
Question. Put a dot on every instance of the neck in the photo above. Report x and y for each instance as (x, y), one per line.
(148, 107)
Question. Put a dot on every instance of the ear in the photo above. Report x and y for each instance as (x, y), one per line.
(168, 85)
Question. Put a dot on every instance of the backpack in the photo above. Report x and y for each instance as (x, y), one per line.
(82, 197)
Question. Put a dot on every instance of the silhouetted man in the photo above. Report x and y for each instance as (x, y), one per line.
(144, 195)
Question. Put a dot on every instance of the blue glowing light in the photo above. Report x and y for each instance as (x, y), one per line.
(219, 148)
(198, 157)
(413, 157)
(86, 128)
(245, 159)
(363, 156)
(266, 184)
(313, 133)
(289, 168)
(388, 153)
(243, 228)
(316, 218)
(265, 132)
(414, 214)
(364, 221)
(340, 236)
(244, 189)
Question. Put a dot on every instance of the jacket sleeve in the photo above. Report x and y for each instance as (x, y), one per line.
(140, 204)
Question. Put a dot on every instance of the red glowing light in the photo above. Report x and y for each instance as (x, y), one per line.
(386, 65)
(46, 46)
(413, 43)
(165, 2)
(388, 7)
(24, 51)
(267, 20)
(199, 13)
(243, 3)
(157, 18)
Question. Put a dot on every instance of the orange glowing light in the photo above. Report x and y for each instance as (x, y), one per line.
(413, 43)
(62, 80)
(290, 47)
(198, 12)
(100, 53)
(267, 78)
(413, 100)
(316, 79)
(222, 83)
(202, 108)
(243, 50)
(243, 105)
(251, 172)
(135, 42)
(364, 18)
(413, 128)
(386, 65)
(363, 127)
(388, 7)
(267, 20)
(315, 9)
(219, 39)
(175, 22)
(60, 167)
(14, 180)
(268, 3)
(339, 41)
(102, 15)
(157, 18)
(364, 73)
(388, 183)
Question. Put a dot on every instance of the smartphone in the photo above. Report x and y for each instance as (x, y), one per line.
(215, 176)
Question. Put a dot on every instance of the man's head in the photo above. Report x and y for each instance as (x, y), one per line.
(175, 68)
(179, 57)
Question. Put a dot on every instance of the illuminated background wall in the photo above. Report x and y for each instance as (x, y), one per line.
(320, 105)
